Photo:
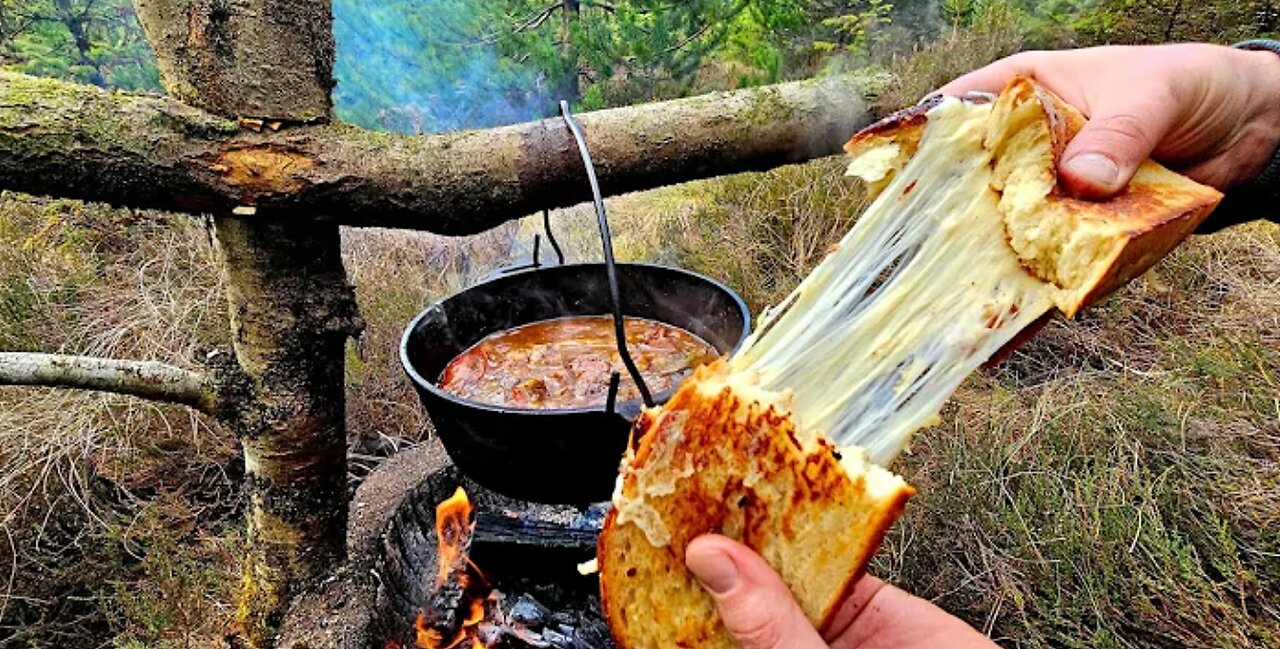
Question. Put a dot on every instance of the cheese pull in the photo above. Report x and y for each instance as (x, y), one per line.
(969, 241)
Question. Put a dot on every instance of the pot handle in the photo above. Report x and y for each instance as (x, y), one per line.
(602, 220)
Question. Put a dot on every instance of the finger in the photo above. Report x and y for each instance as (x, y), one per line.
(1119, 135)
(851, 608)
(755, 606)
(993, 77)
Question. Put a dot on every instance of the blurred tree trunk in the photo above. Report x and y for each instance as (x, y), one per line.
(270, 59)
(291, 307)
(74, 23)
(570, 13)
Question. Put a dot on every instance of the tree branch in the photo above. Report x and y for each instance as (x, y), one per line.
(75, 141)
(146, 379)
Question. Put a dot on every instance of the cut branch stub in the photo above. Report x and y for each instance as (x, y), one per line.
(146, 379)
(75, 141)
(268, 59)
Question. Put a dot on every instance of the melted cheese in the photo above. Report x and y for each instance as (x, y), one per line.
(919, 293)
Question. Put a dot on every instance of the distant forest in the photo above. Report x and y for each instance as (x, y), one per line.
(439, 65)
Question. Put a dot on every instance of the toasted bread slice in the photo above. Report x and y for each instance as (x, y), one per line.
(724, 456)
(1086, 248)
(969, 242)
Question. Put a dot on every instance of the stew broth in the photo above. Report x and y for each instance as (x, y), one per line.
(566, 362)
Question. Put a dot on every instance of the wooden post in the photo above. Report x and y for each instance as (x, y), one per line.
(270, 59)
(291, 313)
(291, 307)
(76, 141)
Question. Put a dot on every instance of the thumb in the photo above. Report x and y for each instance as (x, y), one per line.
(754, 604)
(1102, 158)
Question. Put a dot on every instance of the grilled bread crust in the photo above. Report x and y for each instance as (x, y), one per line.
(1088, 248)
(722, 458)
(1115, 240)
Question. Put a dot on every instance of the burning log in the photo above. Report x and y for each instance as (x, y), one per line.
(456, 606)
(436, 596)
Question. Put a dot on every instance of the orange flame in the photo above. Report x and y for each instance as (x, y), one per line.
(453, 528)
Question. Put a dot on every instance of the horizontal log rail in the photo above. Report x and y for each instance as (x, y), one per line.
(73, 141)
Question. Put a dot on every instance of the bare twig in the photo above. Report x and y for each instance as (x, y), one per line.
(146, 379)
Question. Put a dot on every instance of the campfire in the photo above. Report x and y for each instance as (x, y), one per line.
(462, 608)
(459, 584)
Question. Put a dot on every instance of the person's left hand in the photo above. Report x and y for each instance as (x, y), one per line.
(760, 613)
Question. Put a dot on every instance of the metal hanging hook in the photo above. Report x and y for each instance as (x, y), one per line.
(551, 238)
(619, 329)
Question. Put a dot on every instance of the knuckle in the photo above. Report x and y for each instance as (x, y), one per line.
(759, 622)
(1124, 129)
(758, 632)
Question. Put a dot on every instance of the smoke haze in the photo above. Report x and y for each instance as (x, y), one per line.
(424, 66)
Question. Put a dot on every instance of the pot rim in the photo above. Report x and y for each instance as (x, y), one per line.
(630, 405)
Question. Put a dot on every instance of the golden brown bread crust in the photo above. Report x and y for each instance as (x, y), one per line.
(721, 461)
(893, 126)
(1122, 236)
(1136, 228)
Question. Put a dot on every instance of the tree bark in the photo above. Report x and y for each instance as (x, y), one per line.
(291, 313)
(146, 379)
(269, 59)
(291, 307)
(81, 142)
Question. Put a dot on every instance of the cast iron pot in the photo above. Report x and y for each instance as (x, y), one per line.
(566, 455)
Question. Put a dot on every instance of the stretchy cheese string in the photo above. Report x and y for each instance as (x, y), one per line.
(921, 291)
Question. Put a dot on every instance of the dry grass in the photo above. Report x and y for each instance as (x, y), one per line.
(94, 489)
(1115, 484)
(396, 275)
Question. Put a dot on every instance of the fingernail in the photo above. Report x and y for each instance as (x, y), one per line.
(717, 572)
(1094, 168)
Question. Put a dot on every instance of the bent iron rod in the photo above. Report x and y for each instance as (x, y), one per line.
(555, 245)
(619, 330)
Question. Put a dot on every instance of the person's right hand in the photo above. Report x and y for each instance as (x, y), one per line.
(1211, 112)
(760, 613)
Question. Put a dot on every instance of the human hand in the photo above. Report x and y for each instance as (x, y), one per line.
(1209, 111)
(760, 613)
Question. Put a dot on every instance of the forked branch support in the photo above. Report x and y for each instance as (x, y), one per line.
(146, 379)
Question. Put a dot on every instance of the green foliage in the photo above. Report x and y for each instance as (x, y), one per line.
(657, 47)
(855, 31)
(90, 41)
(1162, 21)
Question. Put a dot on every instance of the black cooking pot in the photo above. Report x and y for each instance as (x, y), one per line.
(566, 455)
